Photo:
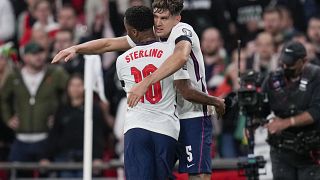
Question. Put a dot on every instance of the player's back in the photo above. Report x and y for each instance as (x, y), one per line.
(156, 109)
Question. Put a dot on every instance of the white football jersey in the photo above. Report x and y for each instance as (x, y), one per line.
(156, 110)
(196, 72)
(193, 70)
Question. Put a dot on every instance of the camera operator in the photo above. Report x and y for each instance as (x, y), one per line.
(294, 98)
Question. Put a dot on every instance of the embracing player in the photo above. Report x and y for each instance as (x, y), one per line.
(196, 128)
(195, 121)
(151, 128)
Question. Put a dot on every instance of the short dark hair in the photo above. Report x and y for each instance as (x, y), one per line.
(68, 7)
(315, 17)
(37, 3)
(139, 17)
(67, 31)
(284, 9)
(273, 9)
(173, 6)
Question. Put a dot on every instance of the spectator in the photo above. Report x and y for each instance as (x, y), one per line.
(215, 57)
(272, 19)
(25, 23)
(231, 75)
(101, 28)
(311, 50)
(7, 20)
(297, 11)
(30, 97)
(62, 40)
(287, 27)
(78, 6)
(41, 37)
(231, 80)
(39, 17)
(311, 54)
(65, 142)
(92, 8)
(314, 33)
(44, 17)
(67, 19)
(264, 60)
(301, 37)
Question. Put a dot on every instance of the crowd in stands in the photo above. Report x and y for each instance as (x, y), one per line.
(42, 104)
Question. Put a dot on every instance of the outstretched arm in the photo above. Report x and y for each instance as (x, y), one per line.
(172, 64)
(93, 47)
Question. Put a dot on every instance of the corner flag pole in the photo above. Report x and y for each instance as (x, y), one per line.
(88, 103)
(93, 81)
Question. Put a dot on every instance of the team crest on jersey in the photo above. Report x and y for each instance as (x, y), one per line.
(187, 32)
(184, 67)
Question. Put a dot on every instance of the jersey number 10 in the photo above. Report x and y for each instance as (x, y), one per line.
(154, 92)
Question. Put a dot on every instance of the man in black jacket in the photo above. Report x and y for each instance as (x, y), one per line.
(294, 98)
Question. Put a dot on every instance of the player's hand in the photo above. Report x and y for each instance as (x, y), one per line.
(220, 107)
(276, 125)
(13, 122)
(136, 92)
(65, 54)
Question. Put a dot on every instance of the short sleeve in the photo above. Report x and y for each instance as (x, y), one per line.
(181, 74)
(131, 43)
(182, 30)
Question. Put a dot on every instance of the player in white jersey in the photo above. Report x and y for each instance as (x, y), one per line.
(156, 110)
(195, 123)
(167, 17)
(151, 128)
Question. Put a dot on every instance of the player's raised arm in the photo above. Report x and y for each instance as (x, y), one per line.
(171, 65)
(93, 47)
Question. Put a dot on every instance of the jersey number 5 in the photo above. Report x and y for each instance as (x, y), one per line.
(154, 92)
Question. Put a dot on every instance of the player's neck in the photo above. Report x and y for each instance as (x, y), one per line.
(147, 37)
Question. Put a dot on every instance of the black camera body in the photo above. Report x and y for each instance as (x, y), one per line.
(252, 101)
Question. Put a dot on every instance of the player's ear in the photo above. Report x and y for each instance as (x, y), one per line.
(135, 32)
(178, 18)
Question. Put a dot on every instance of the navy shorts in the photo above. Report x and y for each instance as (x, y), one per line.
(148, 155)
(195, 141)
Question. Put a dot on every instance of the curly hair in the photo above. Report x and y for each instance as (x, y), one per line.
(173, 6)
(139, 17)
